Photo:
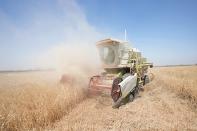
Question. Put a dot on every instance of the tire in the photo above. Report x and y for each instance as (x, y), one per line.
(117, 104)
(135, 92)
(146, 80)
(130, 98)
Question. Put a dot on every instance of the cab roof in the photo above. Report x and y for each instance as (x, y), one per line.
(109, 40)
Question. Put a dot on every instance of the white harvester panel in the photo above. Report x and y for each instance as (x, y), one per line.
(128, 85)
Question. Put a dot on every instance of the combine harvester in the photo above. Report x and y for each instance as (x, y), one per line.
(125, 71)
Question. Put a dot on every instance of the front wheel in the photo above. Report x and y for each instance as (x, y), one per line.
(116, 91)
(131, 98)
(118, 103)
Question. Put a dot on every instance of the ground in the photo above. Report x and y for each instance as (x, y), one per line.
(157, 108)
(37, 101)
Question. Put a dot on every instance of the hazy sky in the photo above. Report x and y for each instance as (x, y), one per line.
(164, 30)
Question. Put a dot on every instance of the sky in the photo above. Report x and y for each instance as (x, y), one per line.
(164, 30)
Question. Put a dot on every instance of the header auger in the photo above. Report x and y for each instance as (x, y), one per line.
(125, 71)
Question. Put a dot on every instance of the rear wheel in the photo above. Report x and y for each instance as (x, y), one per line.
(146, 80)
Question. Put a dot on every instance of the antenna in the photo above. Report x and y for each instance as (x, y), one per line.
(125, 35)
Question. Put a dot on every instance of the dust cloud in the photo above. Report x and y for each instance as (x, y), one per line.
(76, 56)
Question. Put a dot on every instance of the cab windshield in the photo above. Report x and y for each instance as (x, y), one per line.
(107, 54)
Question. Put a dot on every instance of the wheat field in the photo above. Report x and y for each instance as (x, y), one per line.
(181, 80)
(37, 101)
(33, 100)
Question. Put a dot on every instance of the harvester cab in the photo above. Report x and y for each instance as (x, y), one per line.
(125, 71)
